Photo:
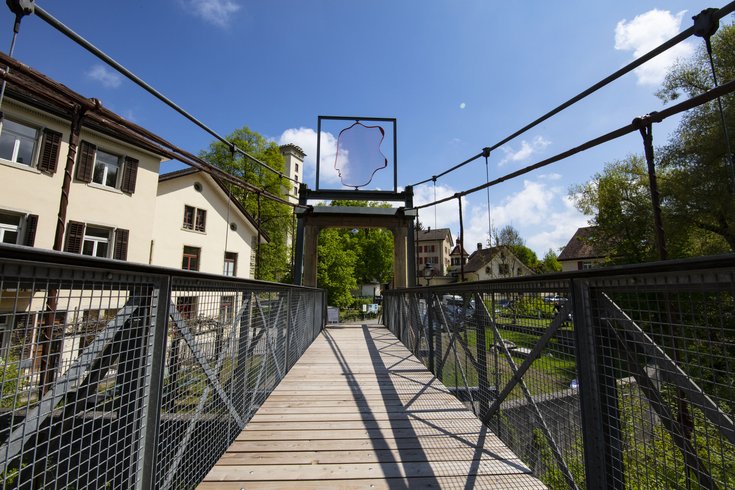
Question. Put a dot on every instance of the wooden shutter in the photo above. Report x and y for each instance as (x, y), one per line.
(121, 244)
(49, 158)
(85, 165)
(30, 234)
(130, 174)
(74, 237)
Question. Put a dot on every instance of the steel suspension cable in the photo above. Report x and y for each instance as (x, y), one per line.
(706, 24)
(659, 116)
(717, 14)
(68, 32)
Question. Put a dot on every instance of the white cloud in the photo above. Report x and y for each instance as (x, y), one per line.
(305, 138)
(646, 32)
(106, 76)
(462, 105)
(539, 143)
(217, 12)
(445, 215)
(545, 217)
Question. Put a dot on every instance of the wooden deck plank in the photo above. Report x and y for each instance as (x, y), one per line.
(359, 411)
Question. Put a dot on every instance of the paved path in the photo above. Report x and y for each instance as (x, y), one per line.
(359, 411)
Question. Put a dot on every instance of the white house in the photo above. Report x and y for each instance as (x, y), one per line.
(494, 263)
(199, 225)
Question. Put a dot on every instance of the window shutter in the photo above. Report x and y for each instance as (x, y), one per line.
(30, 235)
(74, 237)
(85, 165)
(49, 158)
(130, 174)
(121, 244)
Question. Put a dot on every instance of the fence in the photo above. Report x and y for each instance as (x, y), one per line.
(611, 378)
(120, 376)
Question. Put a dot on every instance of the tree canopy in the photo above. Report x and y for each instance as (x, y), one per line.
(349, 257)
(275, 218)
(692, 170)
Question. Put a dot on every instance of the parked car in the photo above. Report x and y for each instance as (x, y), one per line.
(557, 300)
(456, 308)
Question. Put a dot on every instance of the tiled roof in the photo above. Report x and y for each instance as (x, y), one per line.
(480, 258)
(437, 234)
(579, 246)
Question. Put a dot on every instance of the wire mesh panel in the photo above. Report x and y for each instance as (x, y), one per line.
(76, 369)
(229, 345)
(665, 347)
(116, 379)
(620, 379)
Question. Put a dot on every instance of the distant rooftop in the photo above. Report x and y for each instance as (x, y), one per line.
(579, 246)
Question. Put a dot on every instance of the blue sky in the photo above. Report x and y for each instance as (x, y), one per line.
(457, 76)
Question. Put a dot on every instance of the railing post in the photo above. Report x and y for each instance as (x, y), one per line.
(286, 366)
(598, 396)
(430, 332)
(481, 351)
(160, 301)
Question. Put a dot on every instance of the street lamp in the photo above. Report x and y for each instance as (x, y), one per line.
(428, 272)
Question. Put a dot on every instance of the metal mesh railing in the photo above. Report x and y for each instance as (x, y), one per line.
(610, 378)
(123, 376)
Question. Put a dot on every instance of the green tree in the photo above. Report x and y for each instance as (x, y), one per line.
(619, 203)
(700, 174)
(275, 217)
(336, 268)
(510, 237)
(348, 257)
(550, 262)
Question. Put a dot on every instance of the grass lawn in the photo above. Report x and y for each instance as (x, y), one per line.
(551, 372)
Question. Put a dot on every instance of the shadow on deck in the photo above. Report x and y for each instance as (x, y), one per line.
(359, 411)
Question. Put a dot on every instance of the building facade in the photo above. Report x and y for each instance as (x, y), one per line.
(494, 263)
(433, 249)
(111, 196)
(579, 253)
(200, 226)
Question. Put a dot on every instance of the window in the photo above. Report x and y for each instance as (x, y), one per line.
(187, 306)
(230, 264)
(226, 307)
(503, 269)
(106, 169)
(96, 241)
(9, 228)
(584, 265)
(19, 143)
(195, 218)
(296, 166)
(190, 261)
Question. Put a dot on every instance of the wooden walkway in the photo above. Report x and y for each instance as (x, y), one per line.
(359, 411)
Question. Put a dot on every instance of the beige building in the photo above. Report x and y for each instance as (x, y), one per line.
(494, 263)
(111, 196)
(579, 253)
(198, 225)
(433, 247)
(293, 157)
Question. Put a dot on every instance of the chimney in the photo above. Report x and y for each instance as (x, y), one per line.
(479, 245)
